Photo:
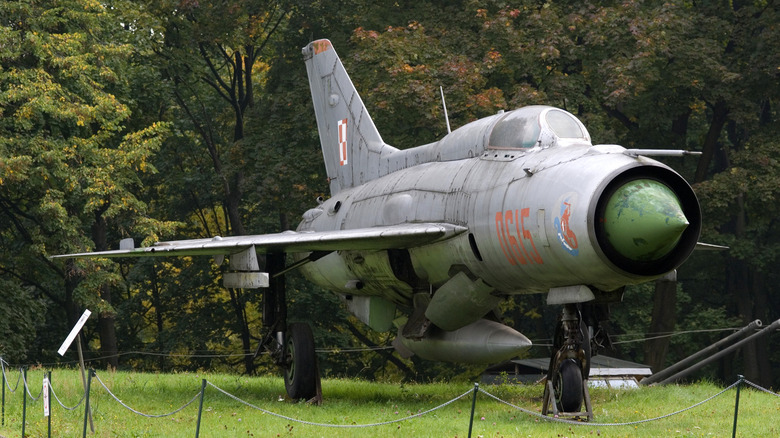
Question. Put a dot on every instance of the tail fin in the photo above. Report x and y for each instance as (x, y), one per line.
(351, 144)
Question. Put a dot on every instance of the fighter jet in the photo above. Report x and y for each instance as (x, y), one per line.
(428, 241)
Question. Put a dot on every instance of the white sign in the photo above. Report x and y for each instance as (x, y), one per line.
(74, 332)
(45, 397)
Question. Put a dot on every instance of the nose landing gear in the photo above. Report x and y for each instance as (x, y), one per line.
(567, 376)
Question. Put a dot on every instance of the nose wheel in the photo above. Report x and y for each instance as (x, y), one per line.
(567, 385)
(567, 376)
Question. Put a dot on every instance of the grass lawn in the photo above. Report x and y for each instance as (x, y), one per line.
(350, 402)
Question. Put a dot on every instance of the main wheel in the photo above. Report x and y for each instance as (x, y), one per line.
(300, 374)
(567, 383)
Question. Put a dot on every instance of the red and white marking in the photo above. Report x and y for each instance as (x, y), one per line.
(45, 393)
(343, 142)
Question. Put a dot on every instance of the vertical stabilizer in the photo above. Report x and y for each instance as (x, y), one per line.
(351, 144)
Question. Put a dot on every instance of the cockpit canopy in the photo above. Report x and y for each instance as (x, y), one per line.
(537, 126)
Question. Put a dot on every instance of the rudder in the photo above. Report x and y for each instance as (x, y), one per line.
(351, 145)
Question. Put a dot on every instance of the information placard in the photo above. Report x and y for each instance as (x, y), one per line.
(74, 332)
(45, 396)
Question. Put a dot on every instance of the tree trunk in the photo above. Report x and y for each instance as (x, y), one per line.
(761, 300)
(158, 311)
(233, 195)
(662, 322)
(239, 309)
(106, 326)
(719, 113)
(680, 129)
(107, 330)
(742, 283)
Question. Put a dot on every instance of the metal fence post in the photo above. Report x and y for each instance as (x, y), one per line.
(473, 407)
(2, 370)
(736, 405)
(200, 406)
(86, 404)
(48, 377)
(24, 399)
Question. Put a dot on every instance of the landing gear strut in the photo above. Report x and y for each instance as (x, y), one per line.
(291, 346)
(567, 375)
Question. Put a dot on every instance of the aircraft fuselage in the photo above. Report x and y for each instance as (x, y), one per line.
(532, 217)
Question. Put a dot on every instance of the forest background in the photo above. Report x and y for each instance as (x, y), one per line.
(160, 119)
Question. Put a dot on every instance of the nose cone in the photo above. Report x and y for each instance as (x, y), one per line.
(644, 220)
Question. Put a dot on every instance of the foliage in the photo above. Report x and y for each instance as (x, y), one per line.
(137, 119)
(69, 168)
(753, 181)
(20, 318)
(693, 331)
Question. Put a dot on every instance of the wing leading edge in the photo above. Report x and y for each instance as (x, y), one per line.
(375, 238)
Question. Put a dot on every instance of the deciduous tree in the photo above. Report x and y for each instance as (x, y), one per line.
(69, 169)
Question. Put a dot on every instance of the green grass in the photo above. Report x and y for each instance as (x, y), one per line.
(349, 402)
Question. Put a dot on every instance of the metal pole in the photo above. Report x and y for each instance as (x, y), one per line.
(86, 404)
(49, 391)
(765, 331)
(84, 380)
(734, 337)
(473, 406)
(2, 370)
(200, 407)
(736, 406)
(24, 399)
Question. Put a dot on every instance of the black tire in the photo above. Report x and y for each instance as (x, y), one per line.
(300, 374)
(568, 386)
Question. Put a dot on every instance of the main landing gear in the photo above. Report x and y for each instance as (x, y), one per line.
(301, 373)
(290, 345)
(567, 376)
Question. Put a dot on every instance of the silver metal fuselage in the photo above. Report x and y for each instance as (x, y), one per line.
(530, 215)
(529, 205)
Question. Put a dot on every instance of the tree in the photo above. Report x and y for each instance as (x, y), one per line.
(207, 57)
(742, 205)
(21, 314)
(68, 167)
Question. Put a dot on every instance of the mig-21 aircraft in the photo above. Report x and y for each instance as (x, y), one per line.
(429, 240)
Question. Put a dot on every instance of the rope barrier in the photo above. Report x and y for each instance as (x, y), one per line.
(532, 413)
(660, 335)
(83, 396)
(641, 337)
(18, 378)
(338, 350)
(324, 350)
(630, 423)
(761, 388)
(27, 388)
(344, 426)
(141, 413)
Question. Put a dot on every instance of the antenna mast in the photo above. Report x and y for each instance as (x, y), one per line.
(444, 104)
